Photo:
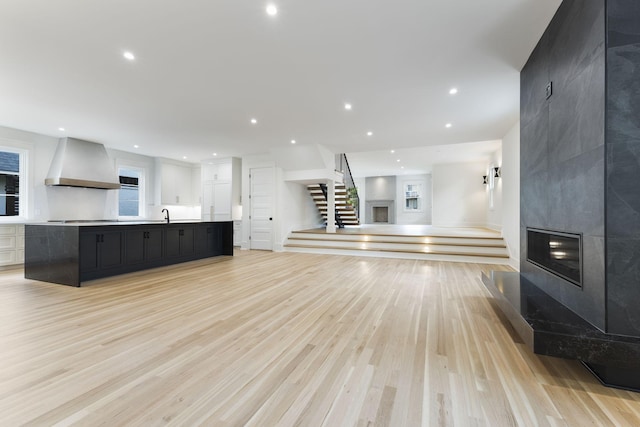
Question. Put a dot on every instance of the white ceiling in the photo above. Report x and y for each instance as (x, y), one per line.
(204, 68)
(418, 160)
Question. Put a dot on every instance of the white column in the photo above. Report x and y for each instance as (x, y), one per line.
(331, 206)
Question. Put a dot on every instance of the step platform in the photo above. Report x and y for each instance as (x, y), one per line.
(461, 245)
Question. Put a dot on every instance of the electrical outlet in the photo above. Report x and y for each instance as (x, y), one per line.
(548, 90)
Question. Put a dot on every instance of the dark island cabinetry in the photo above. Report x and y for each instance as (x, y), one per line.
(212, 241)
(180, 242)
(101, 250)
(144, 245)
(69, 254)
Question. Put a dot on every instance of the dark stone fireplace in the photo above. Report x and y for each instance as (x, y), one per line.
(579, 166)
(558, 253)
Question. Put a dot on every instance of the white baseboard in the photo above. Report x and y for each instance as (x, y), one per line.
(496, 227)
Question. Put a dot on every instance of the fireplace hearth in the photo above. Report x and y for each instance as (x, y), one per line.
(549, 328)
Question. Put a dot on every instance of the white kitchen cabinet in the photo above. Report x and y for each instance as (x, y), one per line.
(221, 170)
(11, 244)
(196, 186)
(176, 183)
(221, 189)
(221, 201)
(237, 233)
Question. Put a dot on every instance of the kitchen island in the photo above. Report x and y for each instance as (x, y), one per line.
(71, 253)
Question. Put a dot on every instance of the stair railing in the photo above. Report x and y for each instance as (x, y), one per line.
(339, 222)
(342, 165)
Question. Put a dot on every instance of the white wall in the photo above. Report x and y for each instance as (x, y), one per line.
(303, 157)
(293, 207)
(361, 185)
(381, 188)
(459, 197)
(413, 217)
(510, 182)
(494, 214)
(297, 210)
(50, 203)
(41, 149)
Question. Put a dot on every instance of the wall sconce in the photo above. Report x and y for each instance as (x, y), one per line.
(484, 179)
(497, 172)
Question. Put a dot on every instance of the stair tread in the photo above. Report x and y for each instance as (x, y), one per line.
(479, 245)
(345, 212)
(484, 255)
(448, 236)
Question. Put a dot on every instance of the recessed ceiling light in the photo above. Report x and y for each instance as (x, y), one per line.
(293, 141)
(347, 106)
(453, 91)
(254, 121)
(184, 157)
(393, 151)
(448, 125)
(128, 55)
(215, 154)
(401, 167)
(136, 146)
(61, 129)
(369, 133)
(272, 10)
(398, 160)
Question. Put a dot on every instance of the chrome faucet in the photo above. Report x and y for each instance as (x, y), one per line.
(166, 217)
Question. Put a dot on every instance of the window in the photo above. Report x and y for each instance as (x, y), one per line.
(412, 193)
(10, 170)
(130, 200)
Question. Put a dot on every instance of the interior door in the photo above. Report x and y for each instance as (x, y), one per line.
(261, 216)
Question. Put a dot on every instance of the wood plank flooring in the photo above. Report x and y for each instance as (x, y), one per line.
(283, 339)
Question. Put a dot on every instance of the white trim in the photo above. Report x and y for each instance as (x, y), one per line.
(496, 227)
(25, 176)
(419, 197)
(142, 195)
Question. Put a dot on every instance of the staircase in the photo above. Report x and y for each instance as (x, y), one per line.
(344, 212)
(475, 247)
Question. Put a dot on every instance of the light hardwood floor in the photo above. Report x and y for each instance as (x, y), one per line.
(269, 339)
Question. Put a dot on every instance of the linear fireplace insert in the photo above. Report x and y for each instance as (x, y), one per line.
(557, 252)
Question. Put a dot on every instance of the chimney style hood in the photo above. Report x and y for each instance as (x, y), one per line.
(79, 163)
